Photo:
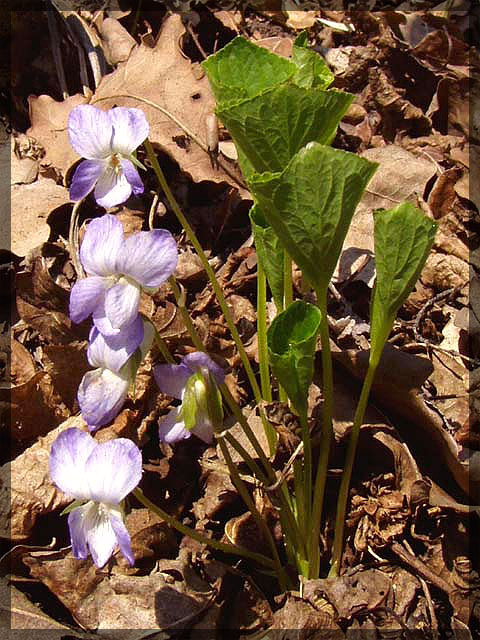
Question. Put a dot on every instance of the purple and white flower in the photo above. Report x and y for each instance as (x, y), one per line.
(101, 476)
(190, 382)
(103, 391)
(118, 268)
(107, 139)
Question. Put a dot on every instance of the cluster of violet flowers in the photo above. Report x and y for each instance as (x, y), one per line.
(118, 269)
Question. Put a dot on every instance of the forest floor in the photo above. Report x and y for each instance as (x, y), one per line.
(409, 567)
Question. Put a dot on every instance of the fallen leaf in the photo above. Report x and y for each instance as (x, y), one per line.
(49, 128)
(400, 176)
(299, 20)
(162, 74)
(117, 42)
(26, 490)
(309, 621)
(31, 204)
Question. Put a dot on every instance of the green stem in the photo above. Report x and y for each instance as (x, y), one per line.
(326, 437)
(208, 269)
(192, 533)
(287, 281)
(162, 347)
(307, 469)
(262, 332)
(180, 300)
(347, 472)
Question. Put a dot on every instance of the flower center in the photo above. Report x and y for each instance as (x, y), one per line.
(116, 163)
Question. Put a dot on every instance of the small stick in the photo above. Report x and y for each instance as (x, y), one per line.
(421, 568)
(73, 244)
(428, 597)
(57, 56)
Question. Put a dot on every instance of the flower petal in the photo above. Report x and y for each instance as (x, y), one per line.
(85, 178)
(68, 457)
(85, 296)
(92, 527)
(203, 429)
(101, 395)
(197, 360)
(112, 352)
(113, 470)
(150, 257)
(101, 246)
(172, 378)
(112, 188)
(132, 176)
(122, 535)
(170, 430)
(90, 132)
(78, 538)
(121, 304)
(130, 128)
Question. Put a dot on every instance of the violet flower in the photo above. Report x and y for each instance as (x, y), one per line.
(118, 269)
(191, 382)
(103, 391)
(101, 475)
(107, 139)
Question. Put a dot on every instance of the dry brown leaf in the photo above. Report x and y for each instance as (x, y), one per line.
(401, 175)
(445, 271)
(66, 365)
(360, 592)
(26, 488)
(49, 128)
(31, 204)
(163, 75)
(99, 601)
(299, 20)
(23, 170)
(116, 40)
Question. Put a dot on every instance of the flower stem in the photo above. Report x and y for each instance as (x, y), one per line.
(215, 284)
(73, 240)
(208, 269)
(347, 471)
(262, 332)
(326, 437)
(187, 531)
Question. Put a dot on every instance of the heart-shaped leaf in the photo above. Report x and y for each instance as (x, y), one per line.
(243, 70)
(403, 239)
(311, 203)
(271, 127)
(269, 252)
(291, 346)
(312, 72)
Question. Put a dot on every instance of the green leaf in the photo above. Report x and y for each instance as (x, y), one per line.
(311, 203)
(403, 240)
(312, 71)
(291, 346)
(270, 128)
(269, 252)
(243, 70)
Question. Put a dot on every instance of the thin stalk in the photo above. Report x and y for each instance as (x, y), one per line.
(261, 524)
(289, 524)
(180, 300)
(262, 333)
(73, 243)
(326, 437)
(192, 533)
(162, 347)
(208, 269)
(287, 281)
(307, 468)
(253, 466)
(347, 472)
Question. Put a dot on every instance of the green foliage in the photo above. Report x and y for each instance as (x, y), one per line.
(311, 203)
(291, 346)
(269, 252)
(403, 239)
(312, 72)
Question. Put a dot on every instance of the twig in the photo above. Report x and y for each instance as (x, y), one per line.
(57, 56)
(421, 568)
(153, 211)
(428, 597)
(188, 27)
(180, 124)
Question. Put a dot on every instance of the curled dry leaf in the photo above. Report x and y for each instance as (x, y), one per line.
(309, 620)
(26, 490)
(359, 592)
(117, 42)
